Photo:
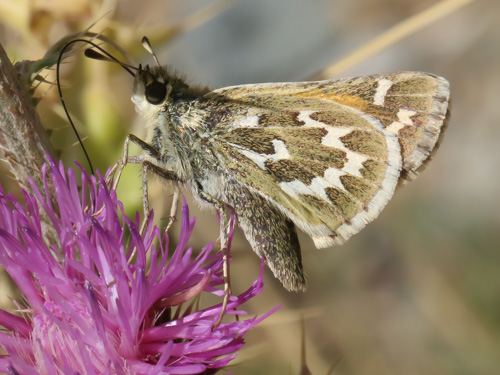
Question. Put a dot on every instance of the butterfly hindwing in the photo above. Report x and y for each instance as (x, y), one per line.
(277, 242)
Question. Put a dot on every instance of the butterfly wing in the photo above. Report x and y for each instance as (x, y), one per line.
(329, 154)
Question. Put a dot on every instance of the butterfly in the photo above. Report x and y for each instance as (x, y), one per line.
(324, 156)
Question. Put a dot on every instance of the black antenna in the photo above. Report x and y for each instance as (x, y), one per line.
(111, 58)
(91, 54)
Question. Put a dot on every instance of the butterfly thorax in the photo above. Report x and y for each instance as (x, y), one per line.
(177, 130)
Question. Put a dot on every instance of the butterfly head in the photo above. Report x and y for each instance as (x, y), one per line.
(155, 83)
(152, 89)
(156, 87)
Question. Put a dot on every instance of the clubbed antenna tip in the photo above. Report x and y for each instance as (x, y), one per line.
(147, 46)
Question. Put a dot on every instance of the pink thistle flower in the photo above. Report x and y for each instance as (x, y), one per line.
(93, 309)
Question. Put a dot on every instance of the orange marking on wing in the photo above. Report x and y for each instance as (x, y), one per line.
(351, 101)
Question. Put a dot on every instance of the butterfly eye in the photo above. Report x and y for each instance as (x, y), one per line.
(156, 92)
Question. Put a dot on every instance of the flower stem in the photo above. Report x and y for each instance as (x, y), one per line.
(24, 143)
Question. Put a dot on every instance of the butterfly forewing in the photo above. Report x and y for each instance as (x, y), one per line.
(328, 154)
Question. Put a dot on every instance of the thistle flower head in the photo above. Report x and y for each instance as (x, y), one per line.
(91, 307)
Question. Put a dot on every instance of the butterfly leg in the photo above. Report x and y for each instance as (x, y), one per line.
(173, 209)
(166, 174)
(117, 169)
(146, 166)
(224, 227)
(225, 224)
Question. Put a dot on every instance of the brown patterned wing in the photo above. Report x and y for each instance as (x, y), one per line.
(329, 154)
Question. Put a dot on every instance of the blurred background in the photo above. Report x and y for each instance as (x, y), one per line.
(418, 290)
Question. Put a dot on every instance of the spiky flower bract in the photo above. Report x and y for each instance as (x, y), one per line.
(104, 299)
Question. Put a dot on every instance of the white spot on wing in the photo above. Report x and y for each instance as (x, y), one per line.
(332, 175)
(317, 187)
(245, 122)
(354, 163)
(383, 86)
(332, 138)
(404, 116)
(355, 160)
(403, 120)
(281, 150)
(295, 188)
(281, 153)
(304, 116)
